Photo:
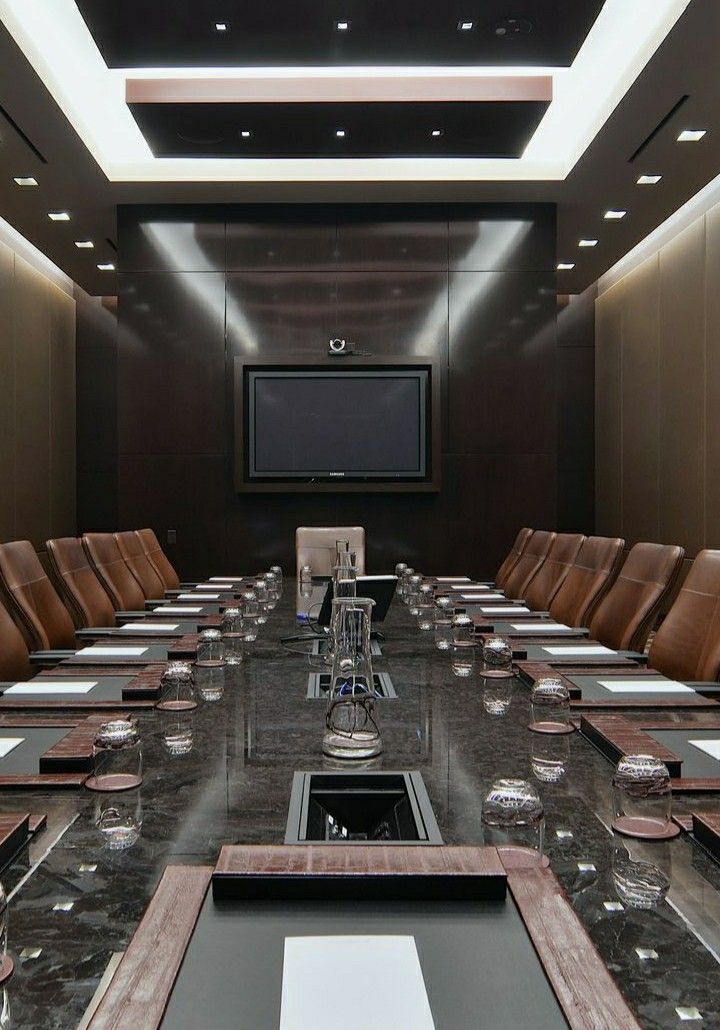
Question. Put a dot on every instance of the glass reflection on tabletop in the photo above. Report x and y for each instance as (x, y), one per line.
(177, 732)
(463, 645)
(641, 872)
(549, 757)
(496, 694)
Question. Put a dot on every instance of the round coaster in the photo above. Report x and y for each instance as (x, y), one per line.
(7, 968)
(113, 783)
(644, 829)
(551, 727)
(514, 856)
(176, 706)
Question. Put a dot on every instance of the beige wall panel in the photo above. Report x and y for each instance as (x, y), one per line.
(681, 435)
(32, 424)
(712, 407)
(7, 395)
(639, 297)
(62, 414)
(608, 414)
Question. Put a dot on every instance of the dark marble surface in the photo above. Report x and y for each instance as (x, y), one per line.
(234, 786)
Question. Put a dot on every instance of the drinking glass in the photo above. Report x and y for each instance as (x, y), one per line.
(399, 569)
(550, 702)
(513, 819)
(443, 623)
(261, 592)
(273, 589)
(426, 608)
(210, 649)
(117, 757)
(463, 645)
(278, 573)
(250, 615)
(404, 581)
(642, 798)
(232, 636)
(351, 729)
(177, 692)
(306, 583)
(412, 597)
(497, 658)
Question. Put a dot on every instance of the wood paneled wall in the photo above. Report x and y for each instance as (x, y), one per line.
(37, 404)
(658, 395)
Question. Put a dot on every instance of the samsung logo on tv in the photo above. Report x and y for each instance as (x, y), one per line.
(340, 474)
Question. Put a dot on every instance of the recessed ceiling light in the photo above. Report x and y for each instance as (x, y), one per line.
(245, 133)
(221, 26)
(84, 244)
(342, 26)
(649, 180)
(58, 216)
(565, 266)
(466, 26)
(614, 215)
(26, 180)
(340, 133)
(106, 266)
(436, 132)
(587, 243)
(691, 135)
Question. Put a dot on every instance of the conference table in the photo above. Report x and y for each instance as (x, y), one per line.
(75, 904)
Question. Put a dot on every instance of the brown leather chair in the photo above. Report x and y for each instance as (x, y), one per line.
(687, 643)
(521, 542)
(77, 584)
(627, 613)
(14, 660)
(531, 559)
(139, 564)
(32, 599)
(548, 579)
(592, 574)
(158, 559)
(104, 555)
(315, 546)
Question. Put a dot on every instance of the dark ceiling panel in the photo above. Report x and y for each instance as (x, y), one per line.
(310, 130)
(135, 33)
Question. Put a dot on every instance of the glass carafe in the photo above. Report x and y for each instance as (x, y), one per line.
(351, 730)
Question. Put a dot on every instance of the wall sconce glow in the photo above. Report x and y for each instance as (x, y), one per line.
(340, 133)
(342, 26)
(84, 244)
(25, 180)
(465, 26)
(58, 216)
(221, 26)
(649, 180)
(245, 134)
(691, 135)
(106, 266)
(436, 133)
(587, 243)
(614, 215)
(566, 266)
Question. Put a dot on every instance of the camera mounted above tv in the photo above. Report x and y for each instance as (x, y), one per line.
(339, 348)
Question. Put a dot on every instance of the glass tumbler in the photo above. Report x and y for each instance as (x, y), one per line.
(399, 569)
(550, 700)
(642, 798)
(261, 592)
(443, 623)
(232, 636)
(404, 581)
(117, 757)
(177, 691)
(426, 608)
(351, 728)
(273, 590)
(513, 820)
(463, 645)
(306, 583)
(412, 597)
(210, 649)
(497, 658)
(250, 615)
(278, 573)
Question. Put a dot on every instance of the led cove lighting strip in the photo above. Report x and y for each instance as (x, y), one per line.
(58, 44)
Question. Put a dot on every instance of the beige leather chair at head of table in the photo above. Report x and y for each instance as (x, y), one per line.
(316, 546)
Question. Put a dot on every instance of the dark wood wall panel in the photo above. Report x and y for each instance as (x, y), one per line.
(471, 286)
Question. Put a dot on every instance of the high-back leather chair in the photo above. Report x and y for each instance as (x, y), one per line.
(687, 643)
(158, 559)
(592, 574)
(32, 599)
(531, 559)
(627, 613)
(548, 579)
(315, 546)
(137, 561)
(77, 584)
(519, 545)
(104, 556)
(14, 660)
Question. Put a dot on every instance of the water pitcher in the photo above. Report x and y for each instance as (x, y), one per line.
(351, 730)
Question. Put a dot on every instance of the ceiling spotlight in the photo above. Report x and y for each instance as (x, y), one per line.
(466, 26)
(221, 26)
(614, 215)
(649, 180)
(106, 266)
(245, 133)
(691, 135)
(342, 26)
(565, 266)
(587, 243)
(26, 180)
(436, 132)
(58, 216)
(340, 133)
(84, 244)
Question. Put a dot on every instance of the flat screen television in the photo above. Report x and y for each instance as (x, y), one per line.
(338, 424)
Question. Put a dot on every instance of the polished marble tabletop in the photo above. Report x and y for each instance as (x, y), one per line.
(75, 904)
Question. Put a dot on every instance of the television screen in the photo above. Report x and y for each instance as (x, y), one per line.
(352, 424)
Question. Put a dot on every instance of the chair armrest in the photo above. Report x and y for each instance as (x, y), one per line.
(49, 657)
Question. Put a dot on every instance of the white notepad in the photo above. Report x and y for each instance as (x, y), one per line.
(225, 579)
(177, 610)
(225, 587)
(198, 597)
(618, 686)
(109, 652)
(542, 627)
(453, 579)
(149, 627)
(580, 649)
(8, 744)
(398, 997)
(51, 687)
(482, 597)
(710, 747)
(506, 610)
